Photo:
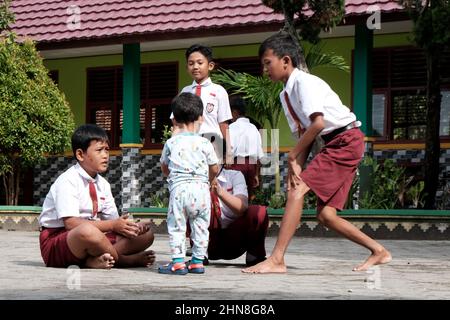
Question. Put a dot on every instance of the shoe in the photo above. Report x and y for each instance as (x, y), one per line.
(195, 267)
(206, 261)
(252, 262)
(178, 268)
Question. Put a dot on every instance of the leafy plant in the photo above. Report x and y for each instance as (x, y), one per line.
(310, 201)
(317, 57)
(431, 33)
(352, 200)
(444, 203)
(6, 16)
(262, 196)
(277, 200)
(160, 199)
(35, 118)
(391, 188)
(416, 194)
(321, 16)
(166, 134)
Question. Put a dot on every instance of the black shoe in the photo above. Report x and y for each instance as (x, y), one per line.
(205, 261)
(252, 262)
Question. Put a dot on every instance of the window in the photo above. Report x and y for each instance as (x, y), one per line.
(250, 65)
(378, 110)
(445, 114)
(399, 94)
(159, 84)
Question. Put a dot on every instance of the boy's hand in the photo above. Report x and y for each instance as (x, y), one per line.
(143, 227)
(216, 188)
(294, 170)
(125, 227)
(255, 181)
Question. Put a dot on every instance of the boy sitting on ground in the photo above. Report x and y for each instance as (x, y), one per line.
(79, 222)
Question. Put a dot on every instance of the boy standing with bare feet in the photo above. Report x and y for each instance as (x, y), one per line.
(312, 109)
(79, 222)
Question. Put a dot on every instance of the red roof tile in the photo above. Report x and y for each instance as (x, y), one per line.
(46, 20)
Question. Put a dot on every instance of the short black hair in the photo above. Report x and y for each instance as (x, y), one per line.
(282, 44)
(238, 103)
(204, 50)
(84, 134)
(187, 107)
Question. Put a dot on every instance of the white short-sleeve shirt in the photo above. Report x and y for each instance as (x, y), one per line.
(309, 94)
(188, 157)
(234, 182)
(69, 197)
(245, 139)
(216, 105)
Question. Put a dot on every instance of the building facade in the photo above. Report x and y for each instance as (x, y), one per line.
(120, 63)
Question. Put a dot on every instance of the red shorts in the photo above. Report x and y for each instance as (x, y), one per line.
(249, 171)
(330, 174)
(55, 250)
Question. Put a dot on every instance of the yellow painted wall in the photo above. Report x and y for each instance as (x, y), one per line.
(72, 71)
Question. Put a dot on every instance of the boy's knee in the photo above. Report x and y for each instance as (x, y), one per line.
(150, 237)
(322, 219)
(88, 233)
(325, 216)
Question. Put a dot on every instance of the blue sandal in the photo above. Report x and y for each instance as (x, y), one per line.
(195, 267)
(178, 268)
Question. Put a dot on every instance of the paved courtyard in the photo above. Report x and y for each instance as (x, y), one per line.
(319, 268)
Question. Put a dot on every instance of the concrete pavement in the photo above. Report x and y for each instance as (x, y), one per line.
(318, 268)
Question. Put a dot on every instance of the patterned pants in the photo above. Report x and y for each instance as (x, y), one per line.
(189, 202)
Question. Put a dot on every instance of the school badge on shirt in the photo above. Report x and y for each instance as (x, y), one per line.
(209, 107)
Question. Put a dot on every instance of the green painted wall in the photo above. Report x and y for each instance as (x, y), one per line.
(72, 71)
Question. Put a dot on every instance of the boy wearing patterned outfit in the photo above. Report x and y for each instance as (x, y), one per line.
(190, 163)
(313, 109)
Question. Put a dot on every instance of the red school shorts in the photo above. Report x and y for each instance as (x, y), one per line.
(55, 250)
(330, 174)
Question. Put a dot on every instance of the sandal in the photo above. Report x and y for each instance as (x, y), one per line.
(195, 267)
(173, 268)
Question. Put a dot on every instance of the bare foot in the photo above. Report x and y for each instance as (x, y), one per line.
(267, 266)
(104, 261)
(140, 259)
(375, 258)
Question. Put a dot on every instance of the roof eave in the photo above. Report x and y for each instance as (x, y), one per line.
(199, 32)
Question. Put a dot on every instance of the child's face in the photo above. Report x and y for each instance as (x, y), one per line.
(199, 67)
(278, 69)
(234, 115)
(95, 159)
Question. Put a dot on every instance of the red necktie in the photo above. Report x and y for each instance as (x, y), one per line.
(216, 213)
(93, 194)
(198, 90)
(293, 114)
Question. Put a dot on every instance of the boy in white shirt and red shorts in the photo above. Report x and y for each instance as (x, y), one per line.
(313, 109)
(216, 105)
(79, 222)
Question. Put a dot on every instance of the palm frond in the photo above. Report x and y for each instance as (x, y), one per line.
(316, 57)
(261, 94)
